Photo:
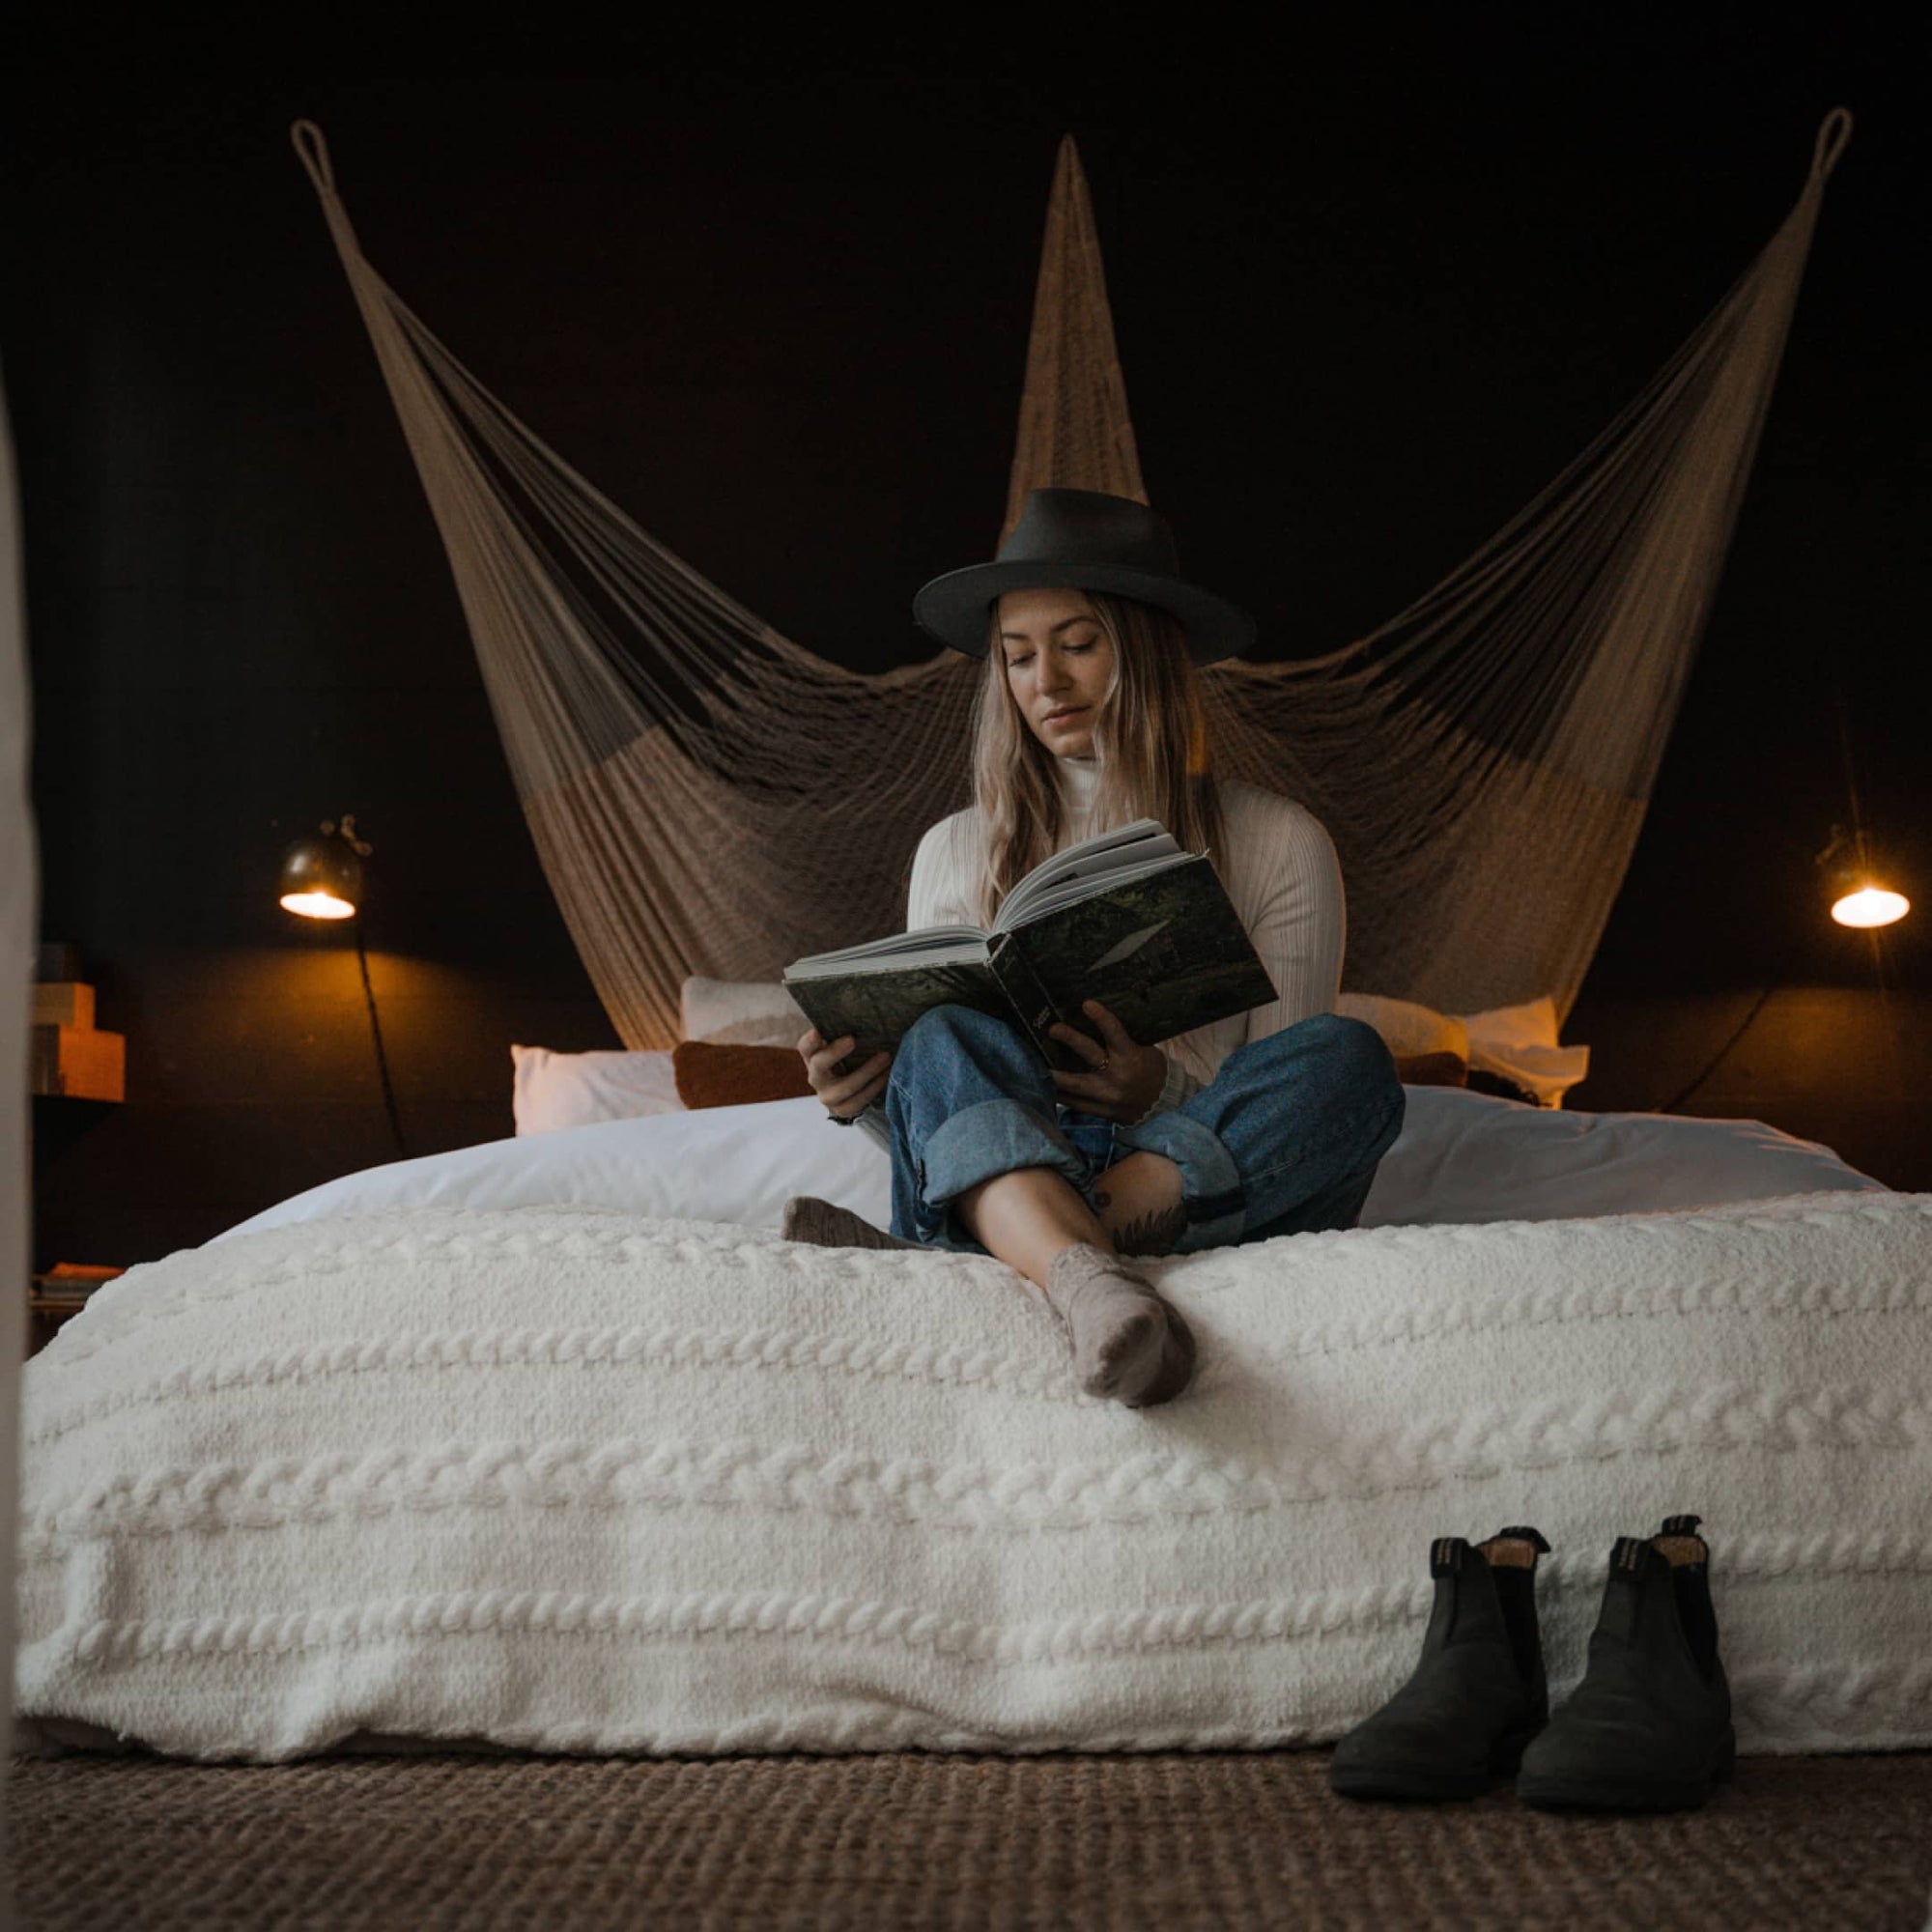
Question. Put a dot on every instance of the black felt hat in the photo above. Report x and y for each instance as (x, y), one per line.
(1082, 540)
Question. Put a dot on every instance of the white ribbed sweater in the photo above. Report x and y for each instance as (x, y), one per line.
(1280, 870)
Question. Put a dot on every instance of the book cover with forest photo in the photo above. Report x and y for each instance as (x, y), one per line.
(1125, 918)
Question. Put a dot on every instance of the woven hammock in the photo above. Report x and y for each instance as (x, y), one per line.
(1483, 761)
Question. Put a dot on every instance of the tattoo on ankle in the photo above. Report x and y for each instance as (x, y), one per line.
(1154, 1232)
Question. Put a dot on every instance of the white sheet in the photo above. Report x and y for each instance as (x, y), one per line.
(582, 1480)
(1465, 1156)
(1462, 1157)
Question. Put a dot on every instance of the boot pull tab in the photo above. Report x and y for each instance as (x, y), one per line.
(1629, 1554)
(1447, 1555)
(1678, 1542)
(1515, 1547)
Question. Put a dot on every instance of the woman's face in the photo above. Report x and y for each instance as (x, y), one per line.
(1060, 662)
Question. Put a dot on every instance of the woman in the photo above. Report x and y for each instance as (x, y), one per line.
(1270, 1123)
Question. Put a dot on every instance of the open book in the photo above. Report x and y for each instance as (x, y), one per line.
(1125, 918)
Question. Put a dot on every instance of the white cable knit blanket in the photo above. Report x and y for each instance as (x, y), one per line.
(584, 1481)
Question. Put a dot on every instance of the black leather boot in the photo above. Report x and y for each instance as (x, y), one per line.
(1648, 1728)
(1477, 1696)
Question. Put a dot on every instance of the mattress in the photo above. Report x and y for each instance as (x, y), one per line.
(580, 1479)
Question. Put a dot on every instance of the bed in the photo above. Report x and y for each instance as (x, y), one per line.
(554, 1444)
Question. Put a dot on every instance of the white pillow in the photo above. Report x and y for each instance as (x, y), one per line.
(1518, 1043)
(775, 1029)
(553, 1091)
(748, 1013)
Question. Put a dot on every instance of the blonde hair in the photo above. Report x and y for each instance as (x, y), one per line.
(1150, 738)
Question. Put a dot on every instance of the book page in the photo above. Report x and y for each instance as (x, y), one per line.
(1104, 857)
(1076, 890)
(929, 943)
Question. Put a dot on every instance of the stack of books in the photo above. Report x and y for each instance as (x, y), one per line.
(72, 1057)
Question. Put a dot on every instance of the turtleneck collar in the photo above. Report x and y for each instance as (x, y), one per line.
(1079, 778)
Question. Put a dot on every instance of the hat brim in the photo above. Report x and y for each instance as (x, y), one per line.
(956, 608)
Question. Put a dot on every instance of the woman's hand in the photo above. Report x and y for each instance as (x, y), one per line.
(847, 1094)
(1132, 1077)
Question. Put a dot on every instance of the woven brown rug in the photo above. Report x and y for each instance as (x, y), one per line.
(1183, 1840)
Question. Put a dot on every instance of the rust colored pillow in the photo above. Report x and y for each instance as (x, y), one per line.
(709, 1073)
(1432, 1070)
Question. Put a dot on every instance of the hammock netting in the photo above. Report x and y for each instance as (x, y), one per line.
(1483, 761)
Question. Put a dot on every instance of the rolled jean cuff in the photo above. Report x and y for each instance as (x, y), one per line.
(994, 1137)
(1210, 1183)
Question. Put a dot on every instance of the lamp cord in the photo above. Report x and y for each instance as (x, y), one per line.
(1710, 1066)
(1672, 1105)
(376, 1033)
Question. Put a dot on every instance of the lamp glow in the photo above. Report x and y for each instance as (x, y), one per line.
(318, 905)
(1871, 905)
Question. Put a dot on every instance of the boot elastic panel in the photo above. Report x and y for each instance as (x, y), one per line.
(1689, 1558)
(1630, 1560)
(1510, 1554)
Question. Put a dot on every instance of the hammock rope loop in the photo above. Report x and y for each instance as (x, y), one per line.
(1835, 133)
(311, 143)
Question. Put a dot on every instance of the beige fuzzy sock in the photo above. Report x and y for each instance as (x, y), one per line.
(1128, 1344)
(807, 1218)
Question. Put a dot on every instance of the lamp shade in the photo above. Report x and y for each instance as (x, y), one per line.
(1858, 892)
(322, 878)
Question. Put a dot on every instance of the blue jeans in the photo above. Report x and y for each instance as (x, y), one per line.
(1285, 1140)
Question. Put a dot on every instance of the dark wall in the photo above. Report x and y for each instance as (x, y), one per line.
(1368, 299)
